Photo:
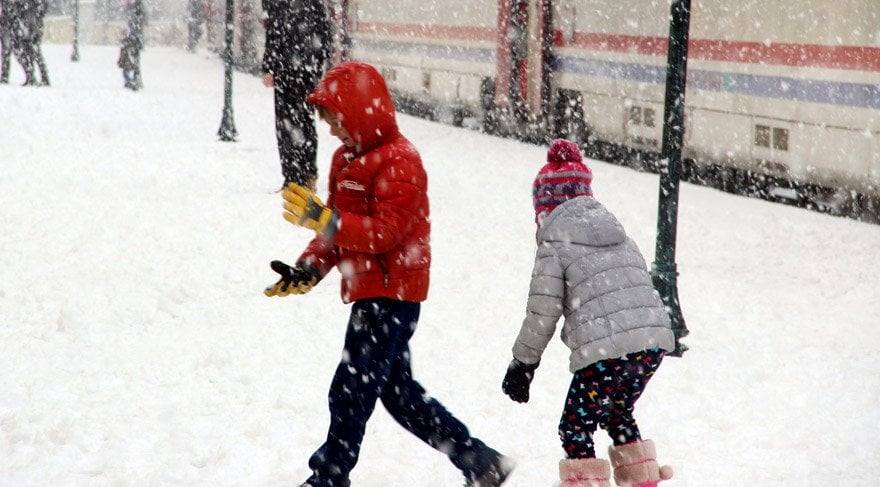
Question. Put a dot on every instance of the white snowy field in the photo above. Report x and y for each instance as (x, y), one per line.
(137, 348)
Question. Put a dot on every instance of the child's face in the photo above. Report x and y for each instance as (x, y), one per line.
(336, 128)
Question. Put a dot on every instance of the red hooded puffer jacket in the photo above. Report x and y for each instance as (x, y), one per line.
(379, 189)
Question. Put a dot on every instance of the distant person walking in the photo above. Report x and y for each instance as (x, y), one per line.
(196, 20)
(249, 59)
(6, 20)
(298, 42)
(22, 34)
(36, 19)
(22, 42)
(132, 44)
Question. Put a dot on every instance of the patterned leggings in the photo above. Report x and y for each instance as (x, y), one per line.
(604, 395)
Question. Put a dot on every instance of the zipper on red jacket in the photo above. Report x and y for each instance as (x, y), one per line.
(384, 269)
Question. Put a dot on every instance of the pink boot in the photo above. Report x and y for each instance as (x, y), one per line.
(635, 465)
(584, 472)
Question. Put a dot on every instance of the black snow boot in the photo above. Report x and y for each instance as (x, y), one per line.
(495, 475)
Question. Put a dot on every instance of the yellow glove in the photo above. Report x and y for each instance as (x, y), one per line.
(303, 208)
(294, 280)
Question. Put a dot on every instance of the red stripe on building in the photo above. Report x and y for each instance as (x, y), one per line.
(427, 30)
(650, 46)
(859, 58)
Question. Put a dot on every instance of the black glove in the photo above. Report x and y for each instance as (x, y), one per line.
(294, 280)
(517, 380)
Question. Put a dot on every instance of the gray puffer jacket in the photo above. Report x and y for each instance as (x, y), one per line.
(587, 269)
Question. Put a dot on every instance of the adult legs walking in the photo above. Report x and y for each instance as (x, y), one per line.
(296, 134)
(5, 55)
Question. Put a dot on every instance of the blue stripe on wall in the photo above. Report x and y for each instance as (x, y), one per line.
(784, 88)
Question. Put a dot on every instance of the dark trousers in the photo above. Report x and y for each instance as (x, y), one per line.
(376, 366)
(130, 62)
(5, 54)
(604, 395)
(296, 132)
(194, 32)
(41, 61)
(25, 54)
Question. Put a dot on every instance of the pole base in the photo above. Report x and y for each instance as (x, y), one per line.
(665, 279)
(227, 132)
(680, 349)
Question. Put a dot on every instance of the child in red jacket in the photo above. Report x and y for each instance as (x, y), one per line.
(375, 229)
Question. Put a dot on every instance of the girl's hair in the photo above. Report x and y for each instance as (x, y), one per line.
(323, 111)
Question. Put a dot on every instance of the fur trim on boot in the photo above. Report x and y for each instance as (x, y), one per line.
(584, 472)
(635, 465)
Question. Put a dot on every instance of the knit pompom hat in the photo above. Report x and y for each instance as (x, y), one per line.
(565, 176)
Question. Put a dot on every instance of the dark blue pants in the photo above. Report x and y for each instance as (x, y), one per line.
(376, 365)
(603, 395)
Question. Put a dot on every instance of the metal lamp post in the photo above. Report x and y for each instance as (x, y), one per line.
(227, 132)
(663, 271)
(74, 56)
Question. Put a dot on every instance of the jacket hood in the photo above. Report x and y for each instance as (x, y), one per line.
(582, 220)
(358, 93)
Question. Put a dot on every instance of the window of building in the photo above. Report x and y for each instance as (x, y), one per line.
(762, 136)
(648, 117)
(641, 116)
(635, 115)
(780, 138)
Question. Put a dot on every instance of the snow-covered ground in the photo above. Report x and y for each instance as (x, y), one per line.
(137, 348)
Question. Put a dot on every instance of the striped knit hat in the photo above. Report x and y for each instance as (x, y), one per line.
(565, 176)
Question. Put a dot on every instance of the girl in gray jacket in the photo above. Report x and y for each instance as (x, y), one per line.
(590, 272)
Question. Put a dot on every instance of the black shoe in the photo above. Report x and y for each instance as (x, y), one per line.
(313, 482)
(495, 475)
